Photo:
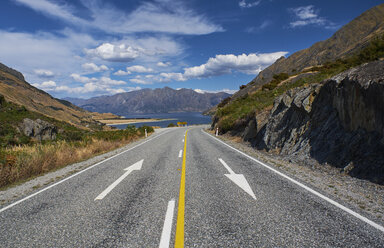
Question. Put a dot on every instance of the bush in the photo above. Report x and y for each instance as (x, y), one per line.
(171, 125)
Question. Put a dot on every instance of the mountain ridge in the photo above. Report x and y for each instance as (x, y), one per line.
(352, 37)
(15, 89)
(148, 101)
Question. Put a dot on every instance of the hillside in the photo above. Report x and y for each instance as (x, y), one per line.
(165, 100)
(348, 40)
(16, 90)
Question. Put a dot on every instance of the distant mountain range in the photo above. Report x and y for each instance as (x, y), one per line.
(147, 101)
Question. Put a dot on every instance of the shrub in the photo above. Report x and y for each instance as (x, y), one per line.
(171, 125)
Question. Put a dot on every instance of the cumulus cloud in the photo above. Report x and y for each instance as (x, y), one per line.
(139, 81)
(94, 68)
(215, 91)
(44, 73)
(159, 16)
(122, 73)
(115, 53)
(135, 69)
(139, 69)
(46, 85)
(99, 81)
(162, 64)
(244, 4)
(308, 15)
(251, 63)
(131, 48)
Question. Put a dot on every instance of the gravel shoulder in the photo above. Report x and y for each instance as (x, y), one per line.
(12, 194)
(360, 195)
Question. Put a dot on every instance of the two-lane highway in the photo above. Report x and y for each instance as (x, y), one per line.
(179, 189)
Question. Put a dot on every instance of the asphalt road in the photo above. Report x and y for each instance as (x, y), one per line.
(228, 200)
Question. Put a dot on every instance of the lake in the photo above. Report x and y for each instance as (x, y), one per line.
(192, 118)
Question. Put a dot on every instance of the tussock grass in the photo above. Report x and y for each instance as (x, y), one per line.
(19, 163)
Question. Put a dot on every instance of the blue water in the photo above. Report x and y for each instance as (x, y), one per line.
(192, 118)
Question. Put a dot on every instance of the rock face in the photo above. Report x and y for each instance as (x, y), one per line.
(38, 129)
(339, 122)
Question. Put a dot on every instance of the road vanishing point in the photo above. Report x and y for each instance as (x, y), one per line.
(183, 187)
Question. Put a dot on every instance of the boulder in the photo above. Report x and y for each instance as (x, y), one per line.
(38, 129)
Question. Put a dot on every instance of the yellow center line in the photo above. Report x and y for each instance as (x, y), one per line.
(179, 239)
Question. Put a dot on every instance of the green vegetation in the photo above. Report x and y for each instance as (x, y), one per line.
(172, 125)
(230, 112)
(22, 157)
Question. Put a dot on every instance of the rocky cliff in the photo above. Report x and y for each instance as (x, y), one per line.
(339, 121)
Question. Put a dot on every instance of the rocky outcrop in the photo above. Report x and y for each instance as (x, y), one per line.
(339, 122)
(38, 129)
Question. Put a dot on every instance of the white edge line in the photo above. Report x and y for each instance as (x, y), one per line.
(76, 174)
(180, 153)
(351, 212)
(167, 228)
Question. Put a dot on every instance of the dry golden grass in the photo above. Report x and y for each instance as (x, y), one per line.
(23, 162)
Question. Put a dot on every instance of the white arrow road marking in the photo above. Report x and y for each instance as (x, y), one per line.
(167, 228)
(180, 153)
(135, 166)
(238, 179)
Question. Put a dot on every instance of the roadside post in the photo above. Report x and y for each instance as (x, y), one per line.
(146, 134)
(217, 131)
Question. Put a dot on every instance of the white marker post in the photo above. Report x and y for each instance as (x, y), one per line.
(146, 134)
(217, 131)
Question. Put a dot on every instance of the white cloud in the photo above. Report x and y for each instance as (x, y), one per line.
(308, 15)
(131, 48)
(215, 91)
(223, 64)
(252, 63)
(244, 4)
(46, 85)
(139, 69)
(172, 76)
(94, 68)
(162, 64)
(82, 79)
(139, 81)
(52, 9)
(41, 54)
(159, 16)
(99, 81)
(122, 73)
(116, 53)
(44, 73)
(134, 68)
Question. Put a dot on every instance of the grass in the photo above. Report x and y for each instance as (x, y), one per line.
(22, 158)
(229, 113)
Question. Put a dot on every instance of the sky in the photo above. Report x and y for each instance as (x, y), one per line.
(87, 48)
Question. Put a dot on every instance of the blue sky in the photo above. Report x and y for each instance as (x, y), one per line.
(86, 48)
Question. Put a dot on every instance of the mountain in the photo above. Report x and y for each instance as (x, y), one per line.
(164, 100)
(346, 41)
(15, 89)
